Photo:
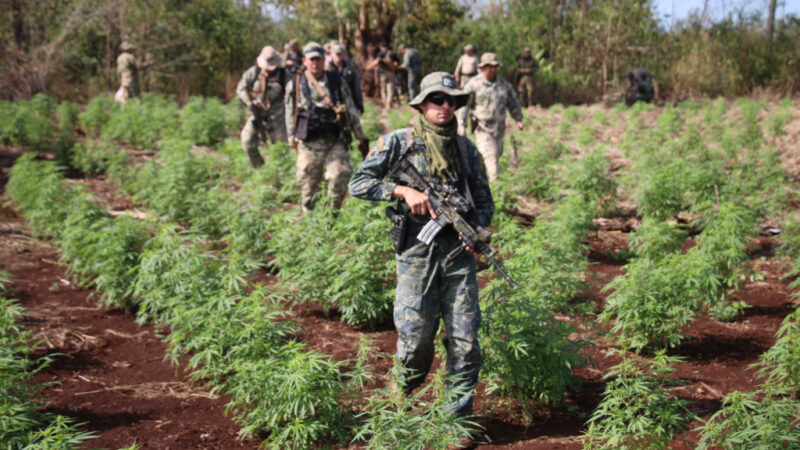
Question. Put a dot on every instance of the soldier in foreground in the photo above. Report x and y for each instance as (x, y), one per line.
(430, 284)
(640, 87)
(128, 70)
(526, 69)
(348, 71)
(261, 90)
(490, 96)
(412, 62)
(321, 115)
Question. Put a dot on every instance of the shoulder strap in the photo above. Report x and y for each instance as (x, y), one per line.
(461, 143)
(306, 90)
(319, 90)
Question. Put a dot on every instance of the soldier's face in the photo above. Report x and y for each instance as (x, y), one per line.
(315, 65)
(439, 115)
(489, 72)
(337, 58)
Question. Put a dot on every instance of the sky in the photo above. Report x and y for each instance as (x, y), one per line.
(674, 10)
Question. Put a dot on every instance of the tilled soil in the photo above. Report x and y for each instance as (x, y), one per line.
(109, 371)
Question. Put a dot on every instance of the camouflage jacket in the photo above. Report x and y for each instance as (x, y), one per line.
(368, 182)
(249, 90)
(128, 70)
(488, 102)
(467, 65)
(344, 96)
(352, 76)
(526, 66)
(412, 61)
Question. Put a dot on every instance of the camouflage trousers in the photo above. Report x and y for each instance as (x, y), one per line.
(413, 84)
(318, 159)
(386, 80)
(125, 92)
(525, 90)
(275, 130)
(491, 148)
(429, 289)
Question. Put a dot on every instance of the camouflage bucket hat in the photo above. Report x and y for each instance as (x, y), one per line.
(313, 50)
(269, 59)
(440, 82)
(125, 46)
(489, 59)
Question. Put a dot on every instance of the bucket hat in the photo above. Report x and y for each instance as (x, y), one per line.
(269, 59)
(439, 82)
(489, 59)
(125, 46)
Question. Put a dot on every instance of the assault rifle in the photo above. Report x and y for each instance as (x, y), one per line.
(258, 123)
(451, 208)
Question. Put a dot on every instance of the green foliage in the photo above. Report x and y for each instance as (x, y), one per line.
(96, 156)
(345, 261)
(391, 420)
(591, 177)
(97, 114)
(142, 123)
(780, 365)
(753, 420)
(22, 425)
(655, 240)
(29, 122)
(636, 411)
(204, 121)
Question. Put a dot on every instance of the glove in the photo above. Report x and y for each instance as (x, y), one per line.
(363, 147)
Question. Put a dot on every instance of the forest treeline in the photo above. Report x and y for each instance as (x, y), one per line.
(68, 48)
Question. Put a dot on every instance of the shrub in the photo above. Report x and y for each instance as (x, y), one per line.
(142, 123)
(204, 121)
(97, 114)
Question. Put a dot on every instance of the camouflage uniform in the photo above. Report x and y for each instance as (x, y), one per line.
(428, 287)
(640, 87)
(350, 73)
(488, 102)
(128, 71)
(466, 67)
(259, 86)
(526, 68)
(386, 61)
(321, 156)
(412, 61)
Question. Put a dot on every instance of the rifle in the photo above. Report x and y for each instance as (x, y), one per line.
(258, 124)
(451, 208)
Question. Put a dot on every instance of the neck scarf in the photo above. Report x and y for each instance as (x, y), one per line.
(439, 145)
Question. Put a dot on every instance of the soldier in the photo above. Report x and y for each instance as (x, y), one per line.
(320, 115)
(490, 96)
(261, 89)
(386, 64)
(640, 87)
(526, 68)
(412, 62)
(467, 66)
(128, 71)
(343, 65)
(292, 59)
(429, 287)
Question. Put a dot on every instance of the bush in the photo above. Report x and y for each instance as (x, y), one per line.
(97, 114)
(204, 121)
(142, 123)
(29, 122)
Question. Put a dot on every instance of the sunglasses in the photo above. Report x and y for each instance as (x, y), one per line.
(439, 99)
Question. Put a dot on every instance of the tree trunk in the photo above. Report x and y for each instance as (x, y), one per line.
(773, 4)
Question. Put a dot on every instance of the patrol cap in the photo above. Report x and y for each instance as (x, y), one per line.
(269, 59)
(489, 58)
(313, 50)
(337, 48)
(469, 47)
(125, 46)
(439, 82)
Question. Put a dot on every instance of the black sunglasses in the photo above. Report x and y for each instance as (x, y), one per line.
(439, 99)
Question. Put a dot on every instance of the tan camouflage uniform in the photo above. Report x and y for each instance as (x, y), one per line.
(488, 102)
(466, 68)
(250, 90)
(325, 157)
(526, 70)
(128, 71)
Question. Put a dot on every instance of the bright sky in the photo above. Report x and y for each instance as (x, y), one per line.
(674, 10)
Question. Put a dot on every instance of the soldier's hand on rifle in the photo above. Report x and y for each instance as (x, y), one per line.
(520, 125)
(363, 147)
(418, 202)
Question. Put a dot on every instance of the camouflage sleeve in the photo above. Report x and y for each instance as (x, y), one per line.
(352, 110)
(463, 113)
(514, 106)
(368, 183)
(479, 186)
(289, 106)
(248, 78)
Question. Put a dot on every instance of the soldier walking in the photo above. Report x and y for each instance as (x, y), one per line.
(490, 96)
(348, 71)
(430, 287)
(467, 66)
(412, 62)
(292, 58)
(386, 64)
(261, 89)
(526, 70)
(128, 70)
(320, 115)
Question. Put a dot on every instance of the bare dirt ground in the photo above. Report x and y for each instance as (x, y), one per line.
(110, 371)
